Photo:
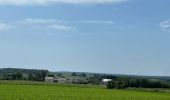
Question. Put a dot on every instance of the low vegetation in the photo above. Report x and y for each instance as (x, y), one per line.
(17, 90)
(122, 83)
(118, 81)
(24, 84)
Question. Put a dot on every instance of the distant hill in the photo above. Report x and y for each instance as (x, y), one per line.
(4, 71)
(159, 78)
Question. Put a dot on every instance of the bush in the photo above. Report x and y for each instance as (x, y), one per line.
(117, 85)
(110, 85)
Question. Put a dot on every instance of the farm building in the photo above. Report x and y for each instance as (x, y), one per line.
(78, 80)
(49, 79)
(105, 81)
(61, 80)
(75, 80)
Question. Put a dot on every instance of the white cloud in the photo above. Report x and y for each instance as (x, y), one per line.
(53, 2)
(36, 26)
(39, 21)
(47, 26)
(165, 25)
(62, 27)
(96, 22)
(4, 27)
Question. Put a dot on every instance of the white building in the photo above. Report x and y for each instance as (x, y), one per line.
(106, 80)
(49, 79)
(62, 80)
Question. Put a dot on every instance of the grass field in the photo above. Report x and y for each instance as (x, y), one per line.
(42, 91)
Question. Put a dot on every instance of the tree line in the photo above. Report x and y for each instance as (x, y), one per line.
(122, 83)
(23, 74)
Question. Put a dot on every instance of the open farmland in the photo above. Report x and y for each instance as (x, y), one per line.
(42, 91)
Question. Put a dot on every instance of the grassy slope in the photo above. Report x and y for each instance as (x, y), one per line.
(43, 91)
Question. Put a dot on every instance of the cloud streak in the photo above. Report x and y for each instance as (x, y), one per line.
(96, 22)
(36, 26)
(165, 25)
(54, 2)
(48, 26)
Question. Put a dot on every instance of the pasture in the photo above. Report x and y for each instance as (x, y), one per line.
(41, 91)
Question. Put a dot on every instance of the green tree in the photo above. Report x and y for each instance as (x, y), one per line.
(73, 74)
(110, 85)
(31, 77)
(43, 74)
(17, 76)
(50, 75)
(83, 74)
(59, 74)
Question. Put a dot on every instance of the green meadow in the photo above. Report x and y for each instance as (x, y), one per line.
(43, 91)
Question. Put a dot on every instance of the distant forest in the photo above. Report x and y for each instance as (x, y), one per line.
(118, 81)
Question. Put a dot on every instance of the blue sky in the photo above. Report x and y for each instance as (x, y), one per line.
(108, 36)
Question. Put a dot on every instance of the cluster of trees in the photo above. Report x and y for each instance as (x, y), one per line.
(13, 76)
(121, 82)
(22, 74)
(38, 76)
(80, 75)
(136, 83)
(97, 78)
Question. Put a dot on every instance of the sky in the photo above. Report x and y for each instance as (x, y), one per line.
(103, 36)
